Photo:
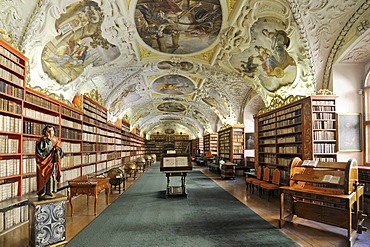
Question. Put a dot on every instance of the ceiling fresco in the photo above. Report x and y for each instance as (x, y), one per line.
(269, 59)
(182, 65)
(79, 43)
(171, 107)
(173, 85)
(177, 26)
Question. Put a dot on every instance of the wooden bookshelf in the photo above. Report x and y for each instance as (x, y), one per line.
(306, 128)
(158, 143)
(210, 143)
(12, 94)
(231, 144)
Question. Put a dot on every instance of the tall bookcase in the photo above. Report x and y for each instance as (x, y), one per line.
(305, 128)
(210, 143)
(12, 93)
(231, 144)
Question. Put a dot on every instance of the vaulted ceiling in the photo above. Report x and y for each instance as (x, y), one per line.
(181, 65)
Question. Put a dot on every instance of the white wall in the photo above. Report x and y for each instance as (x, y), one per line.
(348, 80)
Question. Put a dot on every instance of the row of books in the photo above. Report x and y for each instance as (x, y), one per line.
(13, 217)
(28, 164)
(71, 160)
(8, 146)
(287, 139)
(290, 149)
(29, 185)
(27, 112)
(33, 128)
(71, 124)
(70, 147)
(323, 102)
(323, 115)
(10, 106)
(324, 125)
(71, 134)
(29, 145)
(324, 135)
(296, 113)
(324, 108)
(72, 114)
(9, 167)
(10, 55)
(8, 190)
(289, 110)
(10, 124)
(297, 120)
(11, 77)
(11, 90)
(289, 130)
(95, 116)
(37, 100)
(324, 148)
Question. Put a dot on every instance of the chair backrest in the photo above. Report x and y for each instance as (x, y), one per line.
(276, 176)
(266, 174)
(259, 172)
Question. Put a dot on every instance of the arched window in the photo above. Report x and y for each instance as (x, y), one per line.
(367, 119)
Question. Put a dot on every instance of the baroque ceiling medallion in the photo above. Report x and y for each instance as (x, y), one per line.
(171, 107)
(79, 43)
(176, 26)
(268, 59)
(173, 85)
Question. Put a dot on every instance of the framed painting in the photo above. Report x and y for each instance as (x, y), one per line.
(349, 136)
(249, 140)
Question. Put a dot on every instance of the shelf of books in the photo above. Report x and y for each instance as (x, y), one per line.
(155, 144)
(199, 145)
(182, 144)
(12, 83)
(306, 128)
(134, 146)
(231, 144)
(210, 143)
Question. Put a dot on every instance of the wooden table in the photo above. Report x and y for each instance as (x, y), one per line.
(89, 186)
(176, 190)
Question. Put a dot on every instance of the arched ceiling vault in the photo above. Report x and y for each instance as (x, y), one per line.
(182, 64)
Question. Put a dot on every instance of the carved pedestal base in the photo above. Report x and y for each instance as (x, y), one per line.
(47, 222)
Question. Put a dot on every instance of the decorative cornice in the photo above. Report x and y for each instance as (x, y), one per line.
(8, 38)
(278, 102)
(94, 95)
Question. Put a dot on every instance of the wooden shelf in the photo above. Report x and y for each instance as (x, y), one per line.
(231, 144)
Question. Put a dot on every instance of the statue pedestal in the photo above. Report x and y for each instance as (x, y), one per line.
(47, 222)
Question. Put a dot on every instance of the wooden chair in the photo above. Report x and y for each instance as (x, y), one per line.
(271, 187)
(260, 176)
(249, 180)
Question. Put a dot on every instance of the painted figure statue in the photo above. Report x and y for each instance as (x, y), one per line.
(48, 158)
